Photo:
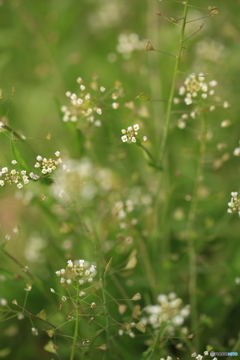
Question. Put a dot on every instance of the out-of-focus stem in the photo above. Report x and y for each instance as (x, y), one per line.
(190, 233)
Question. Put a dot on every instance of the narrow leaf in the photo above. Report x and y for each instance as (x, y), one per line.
(143, 97)
(108, 265)
(18, 157)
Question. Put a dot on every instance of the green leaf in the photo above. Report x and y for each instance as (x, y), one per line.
(80, 141)
(141, 327)
(132, 260)
(157, 167)
(42, 315)
(108, 265)
(143, 97)
(50, 347)
(18, 156)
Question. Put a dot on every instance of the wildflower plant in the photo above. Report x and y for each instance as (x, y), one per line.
(144, 201)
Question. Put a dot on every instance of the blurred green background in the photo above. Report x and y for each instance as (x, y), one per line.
(45, 46)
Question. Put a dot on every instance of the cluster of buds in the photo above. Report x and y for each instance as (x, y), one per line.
(195, 85)
(47, 166)
(88, 106)
(78, 270)
(130, 134)
(19, 178)
(234, 204)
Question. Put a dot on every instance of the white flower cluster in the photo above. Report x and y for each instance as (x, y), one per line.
(108, 14)
(168, 310)
(47, 166)
(234, 204)
(79, 270)
(85, 105)
(82, 179)
(210, 50)
(130, 134)
(20, 178)
(195, 85)
(127, 44)
(126, 211)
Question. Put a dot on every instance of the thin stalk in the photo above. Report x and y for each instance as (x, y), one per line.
(147, 264)
(75, 331)
(103, 287)
(190, 234)
(173, 85)
(105, 306)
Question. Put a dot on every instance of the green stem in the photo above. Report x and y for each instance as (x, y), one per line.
(173, 86)
(105, 306)
(75, 330)
(190, 232)
(148, 266)
(103, 287)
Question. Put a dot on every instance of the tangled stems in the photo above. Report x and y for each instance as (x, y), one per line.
(173, 86)
(190, 232)
(148, 354)
(160, 213)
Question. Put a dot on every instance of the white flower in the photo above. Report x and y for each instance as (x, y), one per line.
(213, 83)
(236, 152)
(3, 302)
(182, 90)
(115, 105)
